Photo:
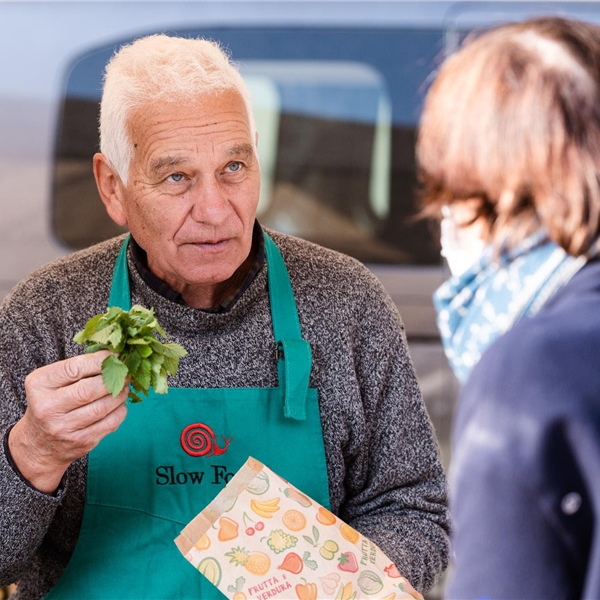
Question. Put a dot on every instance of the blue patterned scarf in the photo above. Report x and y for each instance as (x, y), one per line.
(484, 302)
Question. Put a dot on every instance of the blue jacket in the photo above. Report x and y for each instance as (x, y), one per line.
(526, 463)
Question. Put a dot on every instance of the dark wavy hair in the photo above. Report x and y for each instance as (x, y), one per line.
(512, 120)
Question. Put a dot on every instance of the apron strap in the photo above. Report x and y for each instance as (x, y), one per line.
(293, 352)
(283, 304)
(294, 365)
(120, 292)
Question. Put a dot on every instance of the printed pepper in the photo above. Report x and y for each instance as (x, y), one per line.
(306, 591)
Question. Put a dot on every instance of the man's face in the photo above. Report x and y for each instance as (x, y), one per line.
(192, 189)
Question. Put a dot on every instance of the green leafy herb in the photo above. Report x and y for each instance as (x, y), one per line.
(309, 562)
(139, 355)
(239, 585)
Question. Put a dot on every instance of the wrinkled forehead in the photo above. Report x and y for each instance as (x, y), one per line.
(205, 110)
(216, 123)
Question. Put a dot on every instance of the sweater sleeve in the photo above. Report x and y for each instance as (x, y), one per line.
(401, 501)
(30, 326)
(25, 513)
(25, 516)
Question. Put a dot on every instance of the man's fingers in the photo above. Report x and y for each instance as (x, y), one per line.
(44, 444)
(65, 372)
(94, 431)
(93, 412)
(83, 392)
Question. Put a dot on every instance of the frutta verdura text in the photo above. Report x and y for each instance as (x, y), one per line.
(138, 354)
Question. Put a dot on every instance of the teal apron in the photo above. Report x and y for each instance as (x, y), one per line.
(175, 452)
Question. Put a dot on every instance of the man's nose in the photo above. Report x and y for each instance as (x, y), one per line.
(210, 203)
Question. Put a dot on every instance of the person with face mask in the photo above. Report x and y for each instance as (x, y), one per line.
(509, 157)
(488, 293)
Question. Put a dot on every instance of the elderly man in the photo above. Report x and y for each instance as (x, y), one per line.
(296, 356)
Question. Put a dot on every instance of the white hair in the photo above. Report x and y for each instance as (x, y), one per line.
(160, 67)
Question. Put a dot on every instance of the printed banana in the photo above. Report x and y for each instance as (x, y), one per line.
(265, 508)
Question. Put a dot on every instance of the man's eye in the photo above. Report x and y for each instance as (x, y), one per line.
(175, 177)
(235, 166)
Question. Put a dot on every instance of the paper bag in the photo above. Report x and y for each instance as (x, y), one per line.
(261, 538)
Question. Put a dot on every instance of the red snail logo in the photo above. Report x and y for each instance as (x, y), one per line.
(199, 439)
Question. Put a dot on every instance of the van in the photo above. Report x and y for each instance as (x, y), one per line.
(337, 90)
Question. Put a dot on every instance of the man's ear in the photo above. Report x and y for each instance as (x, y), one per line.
(110, 189)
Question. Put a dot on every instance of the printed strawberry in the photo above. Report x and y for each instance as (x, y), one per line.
(348, 562)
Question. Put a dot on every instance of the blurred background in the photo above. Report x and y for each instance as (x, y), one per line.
(337, 90)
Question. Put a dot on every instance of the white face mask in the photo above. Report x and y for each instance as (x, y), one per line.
(461, 246)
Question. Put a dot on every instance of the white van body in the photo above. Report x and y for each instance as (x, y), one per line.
(40, 43)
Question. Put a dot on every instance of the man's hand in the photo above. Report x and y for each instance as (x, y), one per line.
(68, 412)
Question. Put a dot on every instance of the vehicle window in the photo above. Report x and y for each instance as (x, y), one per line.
(336, 112)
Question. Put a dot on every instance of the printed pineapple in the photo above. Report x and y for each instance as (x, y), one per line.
(256, 563)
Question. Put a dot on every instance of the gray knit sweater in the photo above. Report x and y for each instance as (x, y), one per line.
(385, 477)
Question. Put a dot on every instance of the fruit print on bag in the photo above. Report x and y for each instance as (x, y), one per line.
(211, 569)
(292, 563)
(265, 508)
(347, 562)
(228, 529)
(294, 520)
(286, 546)
(256, 563)
(279, 541)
